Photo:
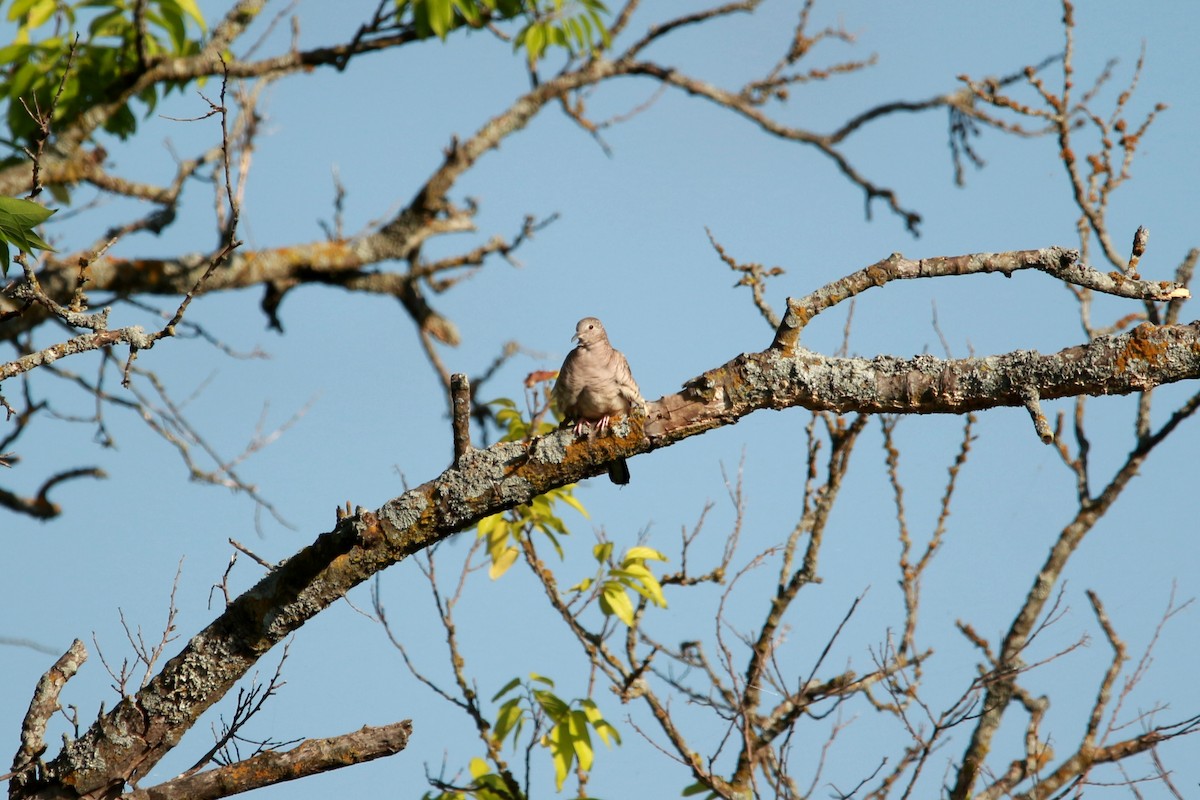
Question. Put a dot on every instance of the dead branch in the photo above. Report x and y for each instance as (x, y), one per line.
(42, 707)
(310, 757)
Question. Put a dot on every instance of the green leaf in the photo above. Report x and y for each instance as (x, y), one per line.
(188, 7)
(17, 219)
(534, 39)
(441, 16)
(171, 20)
(20, 8)
(25, 213)
(568, 498)
(39, 13)
(642, 552)
(60, 193)
(122, 123)
(479, 767)
(563, 753)
(503, 562)
(552, 704)
(615, 602)
(605, 37)
(469, 11)
(107, 24)
(606, 730)
(509, 718)
(489, 524)
(508, 687)
(641, 581)
(580, 739)
(574, 31)
(23, 78)
(598, 722)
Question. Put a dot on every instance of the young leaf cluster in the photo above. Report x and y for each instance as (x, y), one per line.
(564, 727)
(615, 582)
(516, 427)
(18, 218)
(571, 722)
(503, 532)
(573, 26)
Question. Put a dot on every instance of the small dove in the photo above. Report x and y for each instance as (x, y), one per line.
(594, 384)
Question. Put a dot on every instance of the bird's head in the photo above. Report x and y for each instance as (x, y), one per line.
(589, 331)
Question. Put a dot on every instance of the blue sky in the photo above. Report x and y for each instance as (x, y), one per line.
(630, 247)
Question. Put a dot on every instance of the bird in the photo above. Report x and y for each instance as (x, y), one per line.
(594, 384)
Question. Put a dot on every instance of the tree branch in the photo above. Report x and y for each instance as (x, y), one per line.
(43, 706)
(310, 757)
(1058, 262)
(141, 729)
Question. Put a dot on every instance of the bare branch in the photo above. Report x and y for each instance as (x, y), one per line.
(1058, 262)
(310, 757)
(42, 707)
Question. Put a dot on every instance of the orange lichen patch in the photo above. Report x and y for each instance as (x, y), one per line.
(370, 533)
(1142, 346)
(335, 254)
(152, 268)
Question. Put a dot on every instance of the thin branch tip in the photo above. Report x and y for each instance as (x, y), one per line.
(1040, 424)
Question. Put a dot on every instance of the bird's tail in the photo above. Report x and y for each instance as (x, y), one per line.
(618, 472)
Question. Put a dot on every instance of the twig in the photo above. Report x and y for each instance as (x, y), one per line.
(42, 707)
(460, 402)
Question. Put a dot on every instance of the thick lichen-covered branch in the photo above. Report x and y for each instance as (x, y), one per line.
(142, 728)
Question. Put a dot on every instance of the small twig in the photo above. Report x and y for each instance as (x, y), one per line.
(249, 703)
(257, 559)
(43, 123)
(336, 232)
(1034, 407)
(224, 584)
(754, 276)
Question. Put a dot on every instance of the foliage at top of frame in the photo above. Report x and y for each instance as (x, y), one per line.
(104, 60)
(576, 26)
(106, 45)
